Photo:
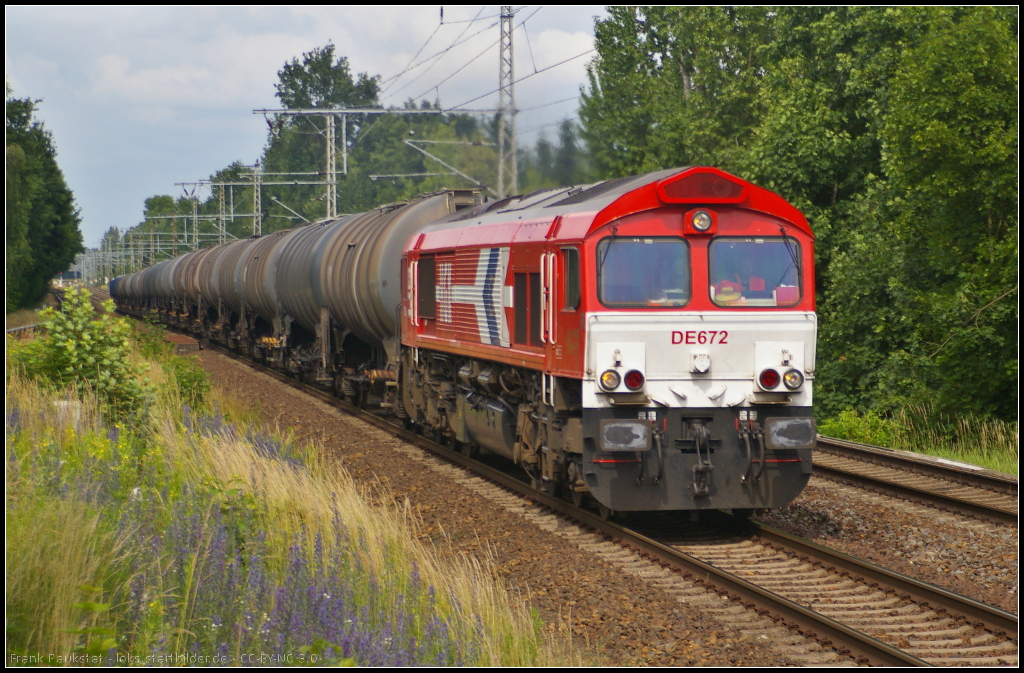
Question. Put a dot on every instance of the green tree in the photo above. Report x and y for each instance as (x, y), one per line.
(557, 164)
(949, 150)
(42, 221)
(322, 80)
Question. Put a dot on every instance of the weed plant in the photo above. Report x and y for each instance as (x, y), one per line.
(187, 535)
(986, 442)
(87, 352)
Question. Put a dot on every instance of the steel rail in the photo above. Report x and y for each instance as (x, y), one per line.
(927, 465)
(987, 480)
(846, 640)
(997, 515)
(999, 622)
(13, 331)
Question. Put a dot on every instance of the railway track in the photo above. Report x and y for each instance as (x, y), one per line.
(935, 626)
(864, 613)
(958, 487)
(23, 332)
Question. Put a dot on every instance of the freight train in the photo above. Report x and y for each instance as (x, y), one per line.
(643, 343)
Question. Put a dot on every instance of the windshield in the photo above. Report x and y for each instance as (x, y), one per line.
(755, 271)
(643, 272)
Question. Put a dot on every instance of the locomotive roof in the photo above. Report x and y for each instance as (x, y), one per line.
(593, 205)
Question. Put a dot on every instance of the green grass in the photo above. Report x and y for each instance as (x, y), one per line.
(989, 443)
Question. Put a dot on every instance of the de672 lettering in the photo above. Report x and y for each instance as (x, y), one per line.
(700, 337)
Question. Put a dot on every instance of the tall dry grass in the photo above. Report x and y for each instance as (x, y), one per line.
(58, 551)
(22, 318)
(987, 442)
(303, 501)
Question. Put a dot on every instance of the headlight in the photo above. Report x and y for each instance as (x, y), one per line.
(625, 435)
(610, 380)
(769, 379)
(701, 220)
(790, 433)
(793, 379)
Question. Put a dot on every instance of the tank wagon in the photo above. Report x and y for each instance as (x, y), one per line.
(645, 342)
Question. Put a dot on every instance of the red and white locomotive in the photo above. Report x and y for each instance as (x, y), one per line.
(647, 342)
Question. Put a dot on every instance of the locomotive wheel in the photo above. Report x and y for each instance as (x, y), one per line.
(578, 499)
(606, 513)
(742, 513)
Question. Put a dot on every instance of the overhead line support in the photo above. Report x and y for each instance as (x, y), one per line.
(508, 169)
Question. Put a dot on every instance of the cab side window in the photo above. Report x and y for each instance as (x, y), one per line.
(526, 298)
(426, 283)
(571, 278)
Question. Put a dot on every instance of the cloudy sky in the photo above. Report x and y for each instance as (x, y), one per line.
(140, 98)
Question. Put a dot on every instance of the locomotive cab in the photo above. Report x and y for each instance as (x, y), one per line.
(717, 330)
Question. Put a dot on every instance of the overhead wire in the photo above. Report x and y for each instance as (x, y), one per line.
(529, 46)
(360, 136)
(486, 49)
(522, 24)
(427, 60)
(492, 16)
(542, 126)
(435, 58)
(413, 59)
(482, 18)
(454, 108)
(537, 107)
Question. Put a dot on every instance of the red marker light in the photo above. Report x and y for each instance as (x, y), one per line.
(769, 379)
(634, 380)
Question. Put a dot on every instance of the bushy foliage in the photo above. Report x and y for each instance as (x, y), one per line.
(867, 428)
(191, 381)
(88, 352)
